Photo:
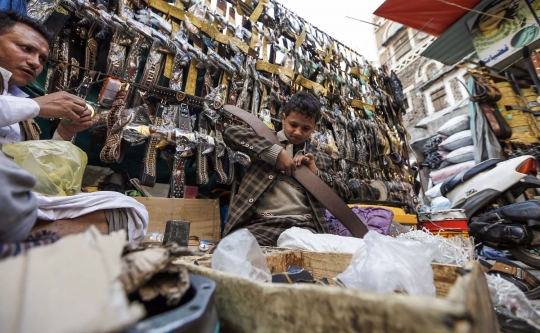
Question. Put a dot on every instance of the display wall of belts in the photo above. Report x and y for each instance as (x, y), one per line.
(164, 71)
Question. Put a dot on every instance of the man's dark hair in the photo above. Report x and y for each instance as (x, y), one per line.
(304, 103)
(8, 19)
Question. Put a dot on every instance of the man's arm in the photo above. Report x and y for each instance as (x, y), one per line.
(257, 147)
(15, 109)
(18, 205)
(75, 115)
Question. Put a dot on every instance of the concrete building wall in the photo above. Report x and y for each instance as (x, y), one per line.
(422, 78)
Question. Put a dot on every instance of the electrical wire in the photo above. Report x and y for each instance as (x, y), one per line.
(473, 10)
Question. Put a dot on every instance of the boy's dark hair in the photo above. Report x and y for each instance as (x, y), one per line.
(8, 19)
(304, 103)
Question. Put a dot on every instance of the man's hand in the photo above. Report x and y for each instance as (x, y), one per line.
(61, 105)
(307, 160)
(285, 163)
(67, 129)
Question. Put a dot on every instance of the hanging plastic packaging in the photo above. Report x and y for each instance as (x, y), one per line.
(240, 254)
(388, 264)
(57, 165)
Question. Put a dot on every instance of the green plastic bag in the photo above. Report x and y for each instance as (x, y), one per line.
(57, 165)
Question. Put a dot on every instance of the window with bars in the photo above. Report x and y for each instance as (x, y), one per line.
(401, 47)
(438, 99)
(406, 102)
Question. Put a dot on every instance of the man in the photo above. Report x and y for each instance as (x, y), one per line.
(24, 49)
(270, 201)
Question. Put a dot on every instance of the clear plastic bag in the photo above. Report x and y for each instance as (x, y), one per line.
(387, 264)
(511, 302)
(57, 165)
(239, 253)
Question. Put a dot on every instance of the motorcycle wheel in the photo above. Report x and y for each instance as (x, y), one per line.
(529, 256)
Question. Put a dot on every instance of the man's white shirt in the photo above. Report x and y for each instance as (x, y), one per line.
(14, 107)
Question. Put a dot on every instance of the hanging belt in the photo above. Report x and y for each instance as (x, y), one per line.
(148, 172)
(308, 179)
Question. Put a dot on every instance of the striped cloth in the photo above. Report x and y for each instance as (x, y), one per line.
(38, 238)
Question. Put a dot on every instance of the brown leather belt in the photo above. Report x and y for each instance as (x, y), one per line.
(308, 179)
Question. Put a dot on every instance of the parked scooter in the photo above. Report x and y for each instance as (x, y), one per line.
(491, 184)
(488, 194)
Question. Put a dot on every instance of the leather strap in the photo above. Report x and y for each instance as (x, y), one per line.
(488, 111)
(202, 157)
(516, 272)
(535, 57)
(31, 129)
(175, 96)
(308, 179)
(178, 177)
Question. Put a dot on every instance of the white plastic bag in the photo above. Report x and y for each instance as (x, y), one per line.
(390, 264)
(240, 254)
(439, 203)
(434, 192)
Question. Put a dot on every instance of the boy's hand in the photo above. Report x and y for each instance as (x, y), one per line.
(285, 163)
(307, 160)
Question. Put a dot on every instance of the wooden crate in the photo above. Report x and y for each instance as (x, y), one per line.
(203, 215)
(462, 305)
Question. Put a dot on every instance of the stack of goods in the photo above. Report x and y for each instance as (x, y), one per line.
(171, 68)
(532, 102)
(447, 223)
(525, 130)
(449, 152)
(455, 149)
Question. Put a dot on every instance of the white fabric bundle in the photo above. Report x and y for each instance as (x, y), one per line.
(457, 140)
(454, 125)
(302, 239)
(441, 175)
(57, 208)
(460, 155)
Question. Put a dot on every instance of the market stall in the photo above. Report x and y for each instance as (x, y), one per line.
(158, 74)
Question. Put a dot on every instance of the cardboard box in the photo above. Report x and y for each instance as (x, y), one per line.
(203, 215)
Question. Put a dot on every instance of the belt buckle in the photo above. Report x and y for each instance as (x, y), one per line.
(519, 273)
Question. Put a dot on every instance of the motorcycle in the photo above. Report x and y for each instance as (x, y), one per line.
(488, 194)
(515, 227)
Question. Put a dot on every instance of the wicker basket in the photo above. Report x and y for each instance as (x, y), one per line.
(523, 124)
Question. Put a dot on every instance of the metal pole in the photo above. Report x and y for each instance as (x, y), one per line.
(533, 12)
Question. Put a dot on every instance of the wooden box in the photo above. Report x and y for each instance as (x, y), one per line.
(462, 304)
(202, 213)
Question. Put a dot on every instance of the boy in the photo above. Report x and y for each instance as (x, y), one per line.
(269, 201)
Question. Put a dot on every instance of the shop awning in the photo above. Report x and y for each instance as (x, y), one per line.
(449, 24)
(416, 13)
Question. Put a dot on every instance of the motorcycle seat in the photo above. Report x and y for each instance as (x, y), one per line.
(463, 176)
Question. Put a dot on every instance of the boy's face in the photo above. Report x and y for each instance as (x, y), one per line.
(297, 127)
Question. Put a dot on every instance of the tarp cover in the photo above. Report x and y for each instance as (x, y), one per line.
(416, 13)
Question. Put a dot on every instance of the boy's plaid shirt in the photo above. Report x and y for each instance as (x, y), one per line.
(261, 175)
